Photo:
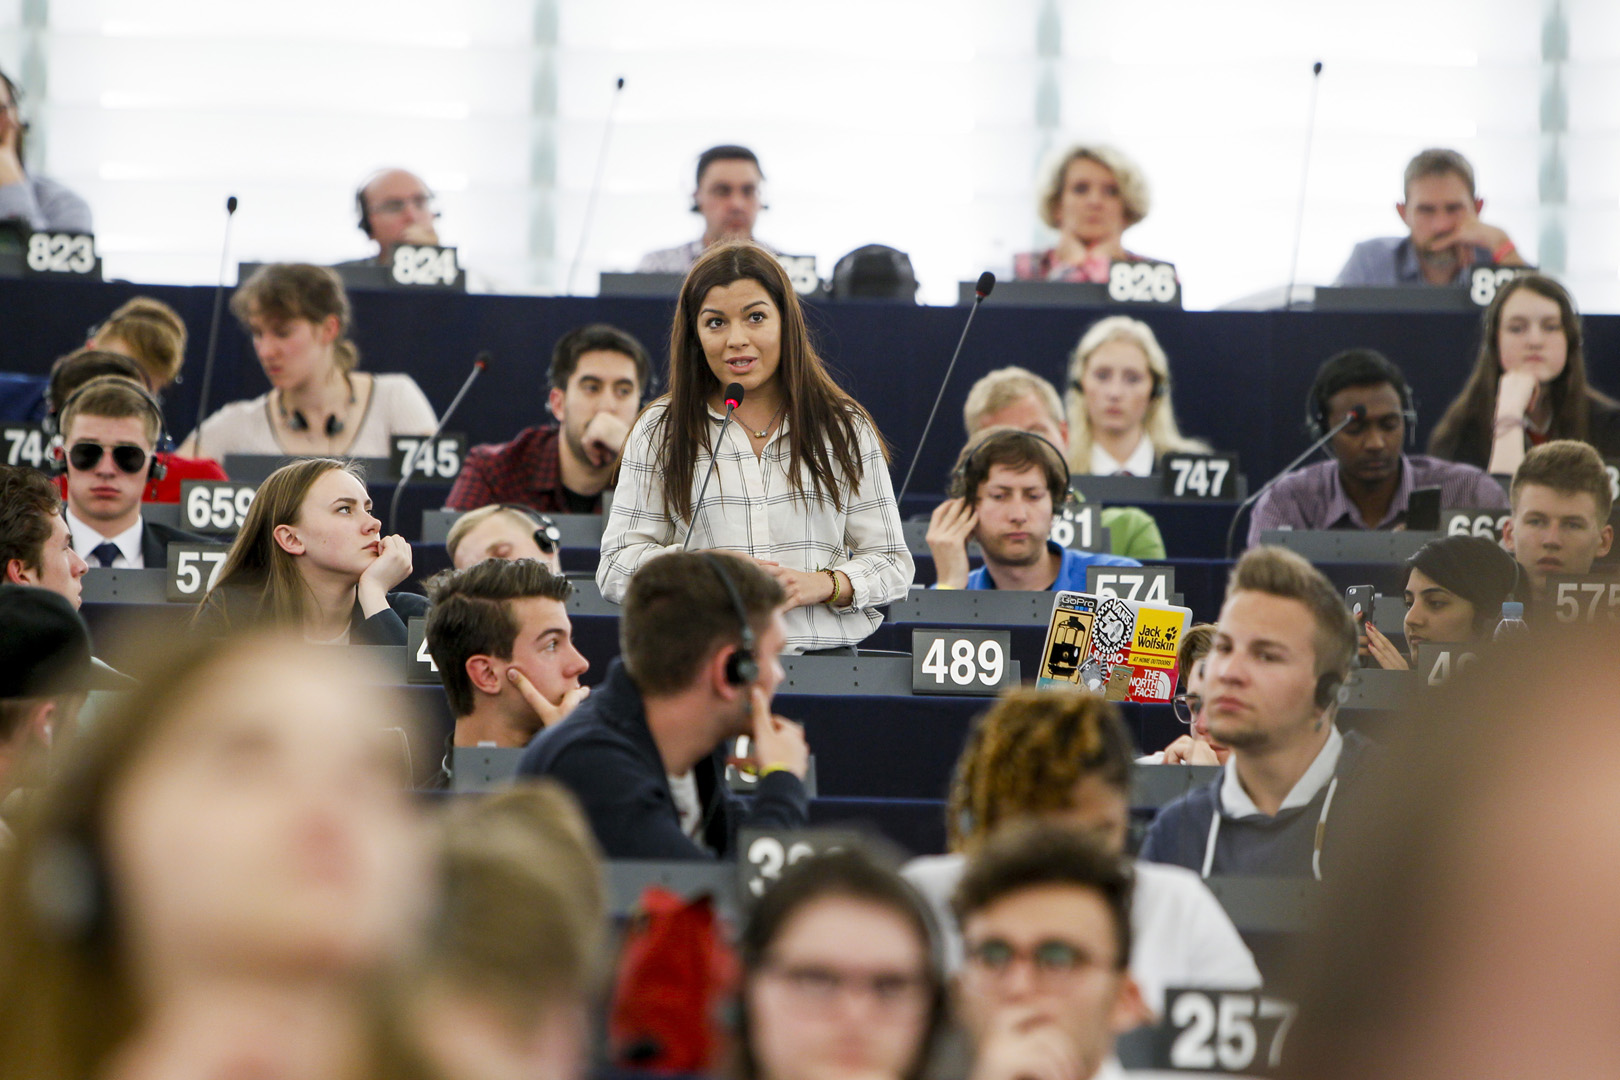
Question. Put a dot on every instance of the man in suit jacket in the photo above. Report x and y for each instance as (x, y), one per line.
(110, 429)
(700, 640)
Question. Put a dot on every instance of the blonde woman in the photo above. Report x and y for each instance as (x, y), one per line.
(1121, 420)
(1091, 196)
(310, 556)
(318, 404)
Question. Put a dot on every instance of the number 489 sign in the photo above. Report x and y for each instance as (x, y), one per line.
(960, 662)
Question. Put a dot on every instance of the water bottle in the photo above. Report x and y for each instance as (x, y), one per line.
(1512, 624)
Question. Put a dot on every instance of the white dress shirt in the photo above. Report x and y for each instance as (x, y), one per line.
(1140, 463)
(86, 539)
(1236, 803)
(752, 507)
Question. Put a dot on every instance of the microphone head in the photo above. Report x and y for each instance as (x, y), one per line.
(482, 360)
(1316, 68)
(230, 204)
(620, 85)
(734, 395)
(987, 281)
(1358, 413)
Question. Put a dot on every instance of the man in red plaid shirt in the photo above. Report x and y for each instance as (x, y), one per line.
(598, 373)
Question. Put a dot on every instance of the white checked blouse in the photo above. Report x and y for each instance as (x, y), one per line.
(751, 507)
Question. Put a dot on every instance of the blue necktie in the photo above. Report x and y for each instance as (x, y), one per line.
(106, 553)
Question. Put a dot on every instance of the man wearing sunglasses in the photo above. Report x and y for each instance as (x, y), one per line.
(110, 429)
(1046, 928)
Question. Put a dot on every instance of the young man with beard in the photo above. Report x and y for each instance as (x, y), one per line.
(598, 374)
(1005, 489)
(700, 643)
(1283, 648)
(1370, 480)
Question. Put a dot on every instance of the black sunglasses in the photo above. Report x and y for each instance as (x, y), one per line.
(85, 455)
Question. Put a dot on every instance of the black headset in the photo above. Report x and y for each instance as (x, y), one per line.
(56, 462)
(958, 479)
(1317, 423)
(741, 667)
(1327, 689)
(546, 534)
(1160, 385)
(297, 421)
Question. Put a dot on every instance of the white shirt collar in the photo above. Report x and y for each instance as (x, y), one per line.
(86, 539)
(1140, 463)
(1235, 802)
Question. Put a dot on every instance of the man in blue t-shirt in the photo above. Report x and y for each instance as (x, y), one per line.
(1004, 492)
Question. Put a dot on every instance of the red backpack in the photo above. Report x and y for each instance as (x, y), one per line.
(676, 977)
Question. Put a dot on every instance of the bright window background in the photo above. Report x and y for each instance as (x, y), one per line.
(920, 125)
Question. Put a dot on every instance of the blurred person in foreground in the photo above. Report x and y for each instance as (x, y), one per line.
(1471, 932)
(841, 977)
(45, 676)
(1046, 926)
(1063, 757)
(517, 954)
(217, 879)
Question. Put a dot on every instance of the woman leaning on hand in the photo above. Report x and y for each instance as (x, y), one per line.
(1529, 384)
(802, 481)
(1091, 196)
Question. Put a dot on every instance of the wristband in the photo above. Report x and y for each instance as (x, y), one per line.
(832, 575)
(1503, 250)
(941, 586)
(767, 770)
(1504, 423)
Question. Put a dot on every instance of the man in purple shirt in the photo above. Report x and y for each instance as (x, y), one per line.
(1369, 482)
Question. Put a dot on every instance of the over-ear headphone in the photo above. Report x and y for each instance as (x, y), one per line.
(56, 461)
(1327, 689)
(1161, 385)
(1317, 423)
(547, 537)
(741, 667)
(958, 481)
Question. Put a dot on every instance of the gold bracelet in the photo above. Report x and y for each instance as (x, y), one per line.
(832, 601)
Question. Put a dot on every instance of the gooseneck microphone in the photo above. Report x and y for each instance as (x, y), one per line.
(213, 326)
(1304, 180)
(408, 466)
(1354, 416)
(596, 183)
(734, 397)
(987, 281)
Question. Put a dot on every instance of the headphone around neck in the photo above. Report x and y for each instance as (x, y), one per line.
(56, 463)
(297, 421)
(741, 666)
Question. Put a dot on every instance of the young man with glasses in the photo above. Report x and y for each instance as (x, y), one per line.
(1046, 925)
(110, 428)
(1195, 747)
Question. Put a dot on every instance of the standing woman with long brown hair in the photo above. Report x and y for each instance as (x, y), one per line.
(802, 481)
(311, 557)
(1529, 384)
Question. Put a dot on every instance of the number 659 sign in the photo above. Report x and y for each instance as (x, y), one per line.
(961, 662)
